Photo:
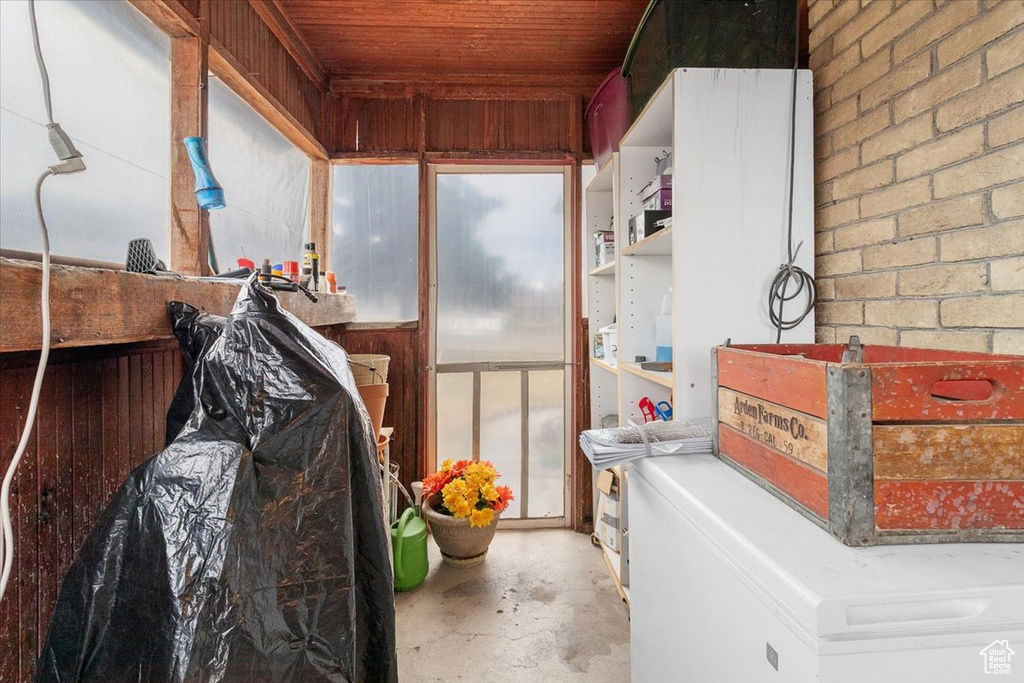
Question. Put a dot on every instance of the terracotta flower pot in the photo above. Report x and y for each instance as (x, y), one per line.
(461, 545)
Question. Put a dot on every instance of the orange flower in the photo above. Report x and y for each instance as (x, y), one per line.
(433, 483)
(467, 489)
(504, 498)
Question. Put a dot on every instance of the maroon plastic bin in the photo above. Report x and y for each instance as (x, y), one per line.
(608, 117)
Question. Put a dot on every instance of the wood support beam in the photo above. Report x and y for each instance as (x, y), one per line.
(467, 86)
(224, 65)
(582, 503)
(321, 191)
(425, 427)
(93, 307)
(170, 16)
(190, 225)
(176, 21)
(281, 25)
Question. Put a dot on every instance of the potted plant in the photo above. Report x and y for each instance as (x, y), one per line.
(461, 504)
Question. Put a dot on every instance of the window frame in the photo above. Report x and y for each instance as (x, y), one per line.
(566, 168)
(74, 260)
(405, 159)
(207, 57)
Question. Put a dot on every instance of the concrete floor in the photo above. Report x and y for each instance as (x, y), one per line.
(541, 607)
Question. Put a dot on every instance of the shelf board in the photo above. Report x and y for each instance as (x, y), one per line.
(606, 269)
(601, 364)
(658, 244)
(602, 182)
(653, 127)
(665, 379)
(90, 306)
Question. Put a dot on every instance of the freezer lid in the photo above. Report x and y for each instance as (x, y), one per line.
(828, 590)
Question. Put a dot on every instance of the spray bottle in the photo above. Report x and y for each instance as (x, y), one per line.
(306, 276)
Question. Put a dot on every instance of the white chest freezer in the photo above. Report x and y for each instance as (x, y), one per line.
(729, 584)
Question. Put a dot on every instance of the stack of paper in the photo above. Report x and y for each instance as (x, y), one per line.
(609, 447)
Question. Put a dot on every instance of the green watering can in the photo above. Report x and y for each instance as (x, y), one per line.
(409, 540)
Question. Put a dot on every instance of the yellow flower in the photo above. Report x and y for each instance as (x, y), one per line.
(481, 518)
(472, 486)
(489, 493)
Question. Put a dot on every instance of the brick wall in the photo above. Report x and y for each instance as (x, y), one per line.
(919, 152)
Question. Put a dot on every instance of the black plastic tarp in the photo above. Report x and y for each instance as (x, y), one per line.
(196, 331)
(253, 548)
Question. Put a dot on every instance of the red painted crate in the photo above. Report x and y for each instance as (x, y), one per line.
(879, 444)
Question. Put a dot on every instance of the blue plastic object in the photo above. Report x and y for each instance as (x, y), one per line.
(209, 193)
(663, 410)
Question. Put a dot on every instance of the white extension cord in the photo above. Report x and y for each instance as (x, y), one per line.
(70, 162)
(37, 386)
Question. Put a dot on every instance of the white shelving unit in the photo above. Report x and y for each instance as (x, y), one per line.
(602, 292)
(729, 134)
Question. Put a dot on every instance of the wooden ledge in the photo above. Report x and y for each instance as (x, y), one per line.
(92, 306)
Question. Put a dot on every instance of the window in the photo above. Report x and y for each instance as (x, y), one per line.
(109, 74)
(500, 264)
(376, 239)
(266, 185)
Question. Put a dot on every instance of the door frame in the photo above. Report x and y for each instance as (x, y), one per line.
(568, 274)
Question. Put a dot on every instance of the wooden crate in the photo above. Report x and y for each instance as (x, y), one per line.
(879, 444)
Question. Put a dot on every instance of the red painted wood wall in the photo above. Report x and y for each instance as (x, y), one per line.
(101, 413)
(489, 121)
(405, 375)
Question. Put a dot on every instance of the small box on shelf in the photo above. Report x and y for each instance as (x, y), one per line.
(659, 200)
(604, 247)
(659, 182)
(657, 194)
(644, 224)
(608, 527)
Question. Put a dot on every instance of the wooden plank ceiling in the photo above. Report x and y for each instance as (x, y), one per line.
(566, 44)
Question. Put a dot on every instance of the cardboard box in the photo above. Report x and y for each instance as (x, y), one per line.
(607, 521)
(658, 200)
(659, 182)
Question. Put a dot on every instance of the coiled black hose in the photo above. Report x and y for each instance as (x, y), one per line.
(789, 272)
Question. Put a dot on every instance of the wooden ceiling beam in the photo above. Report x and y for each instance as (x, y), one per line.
(570, 45)
(280, 24)
(224, 65)
(468, 86)
(170, 16)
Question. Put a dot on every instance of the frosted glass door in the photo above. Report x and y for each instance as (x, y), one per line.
(500, 330)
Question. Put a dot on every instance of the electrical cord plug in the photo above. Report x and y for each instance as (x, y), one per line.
(61, 142)
(73, 165)
(64, 148)
(71, 158)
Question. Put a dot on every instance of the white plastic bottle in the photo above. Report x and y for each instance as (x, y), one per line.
(663, 330)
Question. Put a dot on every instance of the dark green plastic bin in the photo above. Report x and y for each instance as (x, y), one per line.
(730, 34)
